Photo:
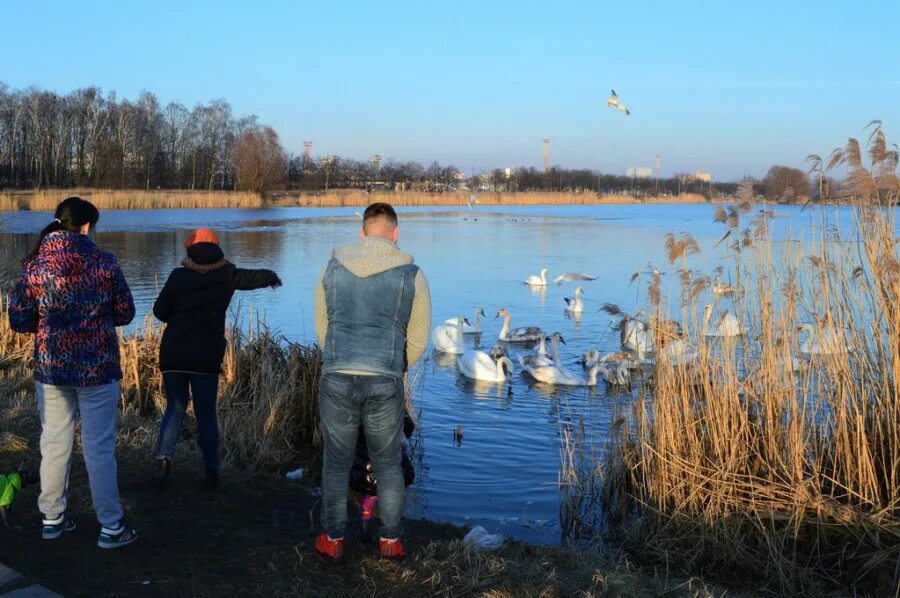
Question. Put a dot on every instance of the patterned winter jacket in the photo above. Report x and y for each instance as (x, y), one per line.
(72, 296)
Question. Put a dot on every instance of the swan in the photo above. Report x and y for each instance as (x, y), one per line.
(634, 335)
(478, 365)
(575, 305)
(517, 335)
(727, 325)
(449, 339)
(615, 374)
(542, 358)
(469, 328)
(820, 341)
(555, 374)
(572, 276)
(678, 353)
(720, 288)
(593, 357)
(538, 281)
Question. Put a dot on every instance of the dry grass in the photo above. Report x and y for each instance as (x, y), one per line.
(46, 201)
(268, 394)
(746, 466)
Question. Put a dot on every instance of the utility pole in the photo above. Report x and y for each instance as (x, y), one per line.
(658, 158)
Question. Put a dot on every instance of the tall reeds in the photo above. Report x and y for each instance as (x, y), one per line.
(772, 458)
(268, 393)
(46, 201)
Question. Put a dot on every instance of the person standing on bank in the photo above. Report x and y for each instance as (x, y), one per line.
(71, 296)
(372, 318)
(193, 303)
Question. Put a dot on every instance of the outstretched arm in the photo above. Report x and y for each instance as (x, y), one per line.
(247, 280)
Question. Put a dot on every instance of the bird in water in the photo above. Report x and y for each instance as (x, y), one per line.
(575, 304)
(613, 102)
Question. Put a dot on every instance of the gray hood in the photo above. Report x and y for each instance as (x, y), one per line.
(371, 255)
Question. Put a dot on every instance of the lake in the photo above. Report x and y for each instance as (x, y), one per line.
(503, 474)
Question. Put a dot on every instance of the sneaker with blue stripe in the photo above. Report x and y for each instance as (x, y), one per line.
(54, 528)
(116, 538)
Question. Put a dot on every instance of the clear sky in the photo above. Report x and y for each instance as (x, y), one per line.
(721, 86)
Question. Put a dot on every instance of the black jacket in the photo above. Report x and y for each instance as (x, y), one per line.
(193, 303)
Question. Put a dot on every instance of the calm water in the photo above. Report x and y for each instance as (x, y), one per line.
(503, 474)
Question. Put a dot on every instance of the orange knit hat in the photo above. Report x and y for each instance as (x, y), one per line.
(201, 235)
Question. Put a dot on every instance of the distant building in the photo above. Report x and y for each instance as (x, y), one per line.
(706, 177)
(639, 172)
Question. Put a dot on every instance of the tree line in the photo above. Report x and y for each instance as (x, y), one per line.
(86, 138)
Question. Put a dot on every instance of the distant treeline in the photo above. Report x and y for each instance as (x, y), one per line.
(88, 139)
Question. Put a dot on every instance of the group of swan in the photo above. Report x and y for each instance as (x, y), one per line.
(549, 370)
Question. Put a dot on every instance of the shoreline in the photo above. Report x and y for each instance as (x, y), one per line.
(45, 201)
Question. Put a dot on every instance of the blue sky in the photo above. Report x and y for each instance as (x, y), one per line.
(727, 87)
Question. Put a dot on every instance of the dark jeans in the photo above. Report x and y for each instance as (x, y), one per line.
(180, 389)
(347, 402)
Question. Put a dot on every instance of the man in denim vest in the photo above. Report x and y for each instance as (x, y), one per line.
(372, 317)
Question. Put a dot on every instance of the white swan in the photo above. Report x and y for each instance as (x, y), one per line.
(634, 335)
(575, 305)
(468, 327)
(821, 342)
(449, 339)
(727, 325)
(478, 365)
(572, 276)
(678, 353)
(538, 281)
(720, 288)
(555, 374)
(541, 357)
(517, 335)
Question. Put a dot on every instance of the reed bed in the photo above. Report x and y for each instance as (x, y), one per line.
(758, 462)
(46, 201)
(268, 391)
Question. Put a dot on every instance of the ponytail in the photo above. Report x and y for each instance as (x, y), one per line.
(71, 215)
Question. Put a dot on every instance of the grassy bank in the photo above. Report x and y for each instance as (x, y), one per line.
(135, 199)
(255, 536)
(770, 458)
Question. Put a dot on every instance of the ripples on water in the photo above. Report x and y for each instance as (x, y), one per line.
(503, 474)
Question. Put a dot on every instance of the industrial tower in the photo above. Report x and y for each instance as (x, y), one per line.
(546, 155)
(307, 149)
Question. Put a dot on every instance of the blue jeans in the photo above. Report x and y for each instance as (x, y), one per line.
(60, 407)
(347, 401)
(181, 387)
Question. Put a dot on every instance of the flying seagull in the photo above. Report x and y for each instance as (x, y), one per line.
(473, 199)
(613, 102)
(573, 276)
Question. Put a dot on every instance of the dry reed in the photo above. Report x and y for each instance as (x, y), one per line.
(268, 393)
(767, 465)
(46, 201)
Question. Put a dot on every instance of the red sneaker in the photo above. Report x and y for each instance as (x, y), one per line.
(330, 550)
(391, 549)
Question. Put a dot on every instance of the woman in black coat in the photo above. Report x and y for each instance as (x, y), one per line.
(193, 304)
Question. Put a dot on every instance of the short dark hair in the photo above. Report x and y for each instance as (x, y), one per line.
(380, 209)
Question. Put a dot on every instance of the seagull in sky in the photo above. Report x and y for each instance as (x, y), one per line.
(613, 102)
